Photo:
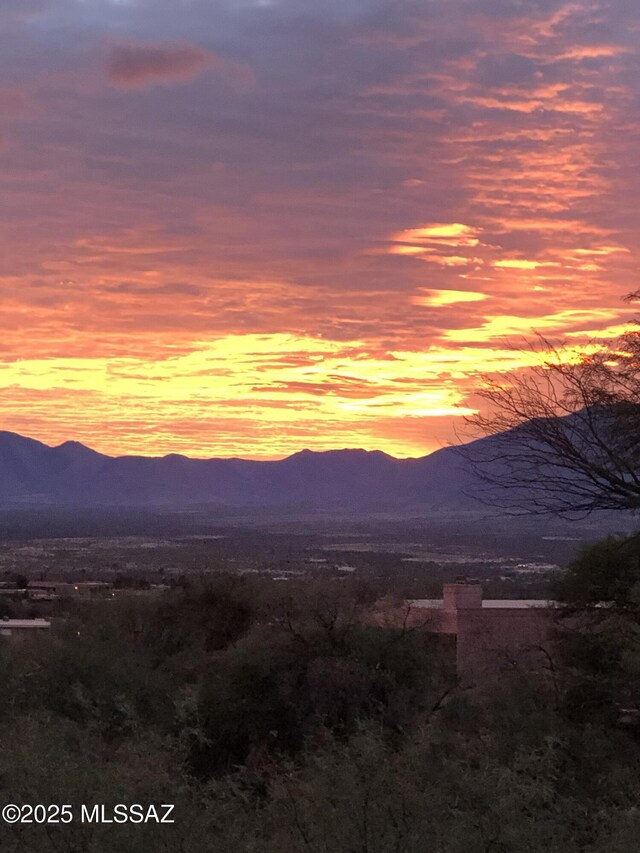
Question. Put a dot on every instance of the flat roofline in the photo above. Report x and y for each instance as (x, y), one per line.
(489, 603)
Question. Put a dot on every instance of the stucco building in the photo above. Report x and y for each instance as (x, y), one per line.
(491, 634)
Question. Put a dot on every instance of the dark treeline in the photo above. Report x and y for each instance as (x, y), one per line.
(287, 723)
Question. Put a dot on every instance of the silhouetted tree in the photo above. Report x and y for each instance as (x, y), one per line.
(565, 433)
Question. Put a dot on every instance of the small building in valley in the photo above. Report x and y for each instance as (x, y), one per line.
(49, 589)
(21, 628)
(491, 634)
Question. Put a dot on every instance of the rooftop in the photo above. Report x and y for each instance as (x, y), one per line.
(490, 603)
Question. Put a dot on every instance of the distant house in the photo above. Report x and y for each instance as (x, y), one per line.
(491, 634)
(21, 628)
(91, 588)
(13, 592)
(47, 589)
(53, 589)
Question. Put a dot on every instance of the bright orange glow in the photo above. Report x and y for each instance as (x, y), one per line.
(275, 248)
(401, 249)
(523, 265)
(436, 298)
(502, 327)
(454, 234)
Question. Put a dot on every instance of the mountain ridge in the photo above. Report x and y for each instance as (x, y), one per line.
(305, 451)
(71, 473)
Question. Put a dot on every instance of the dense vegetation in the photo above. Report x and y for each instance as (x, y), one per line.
(281, 725)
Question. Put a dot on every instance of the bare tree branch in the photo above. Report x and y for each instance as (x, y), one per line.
(564, 434)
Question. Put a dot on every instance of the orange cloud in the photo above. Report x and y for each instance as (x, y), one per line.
(439, 298)
(523, 264)
(448, 234)
(594, 51)
(503, 327)
(331, 260)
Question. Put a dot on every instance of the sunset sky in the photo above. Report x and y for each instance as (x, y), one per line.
(247, 227)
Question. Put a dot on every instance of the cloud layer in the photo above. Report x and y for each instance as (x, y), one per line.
(251, 227)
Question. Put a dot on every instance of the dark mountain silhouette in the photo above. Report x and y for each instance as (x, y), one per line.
(72, 474)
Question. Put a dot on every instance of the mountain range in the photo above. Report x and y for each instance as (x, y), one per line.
(34, 473)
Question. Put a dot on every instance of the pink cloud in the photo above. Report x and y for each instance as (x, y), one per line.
(138, 65)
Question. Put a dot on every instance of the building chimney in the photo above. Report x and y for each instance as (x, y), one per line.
(461, 596)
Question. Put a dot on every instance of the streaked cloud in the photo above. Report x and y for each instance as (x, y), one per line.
(447, 234)
(242, 228)
(523, 264)
(438, 298)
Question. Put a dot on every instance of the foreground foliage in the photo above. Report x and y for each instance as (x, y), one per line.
(295, 726)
